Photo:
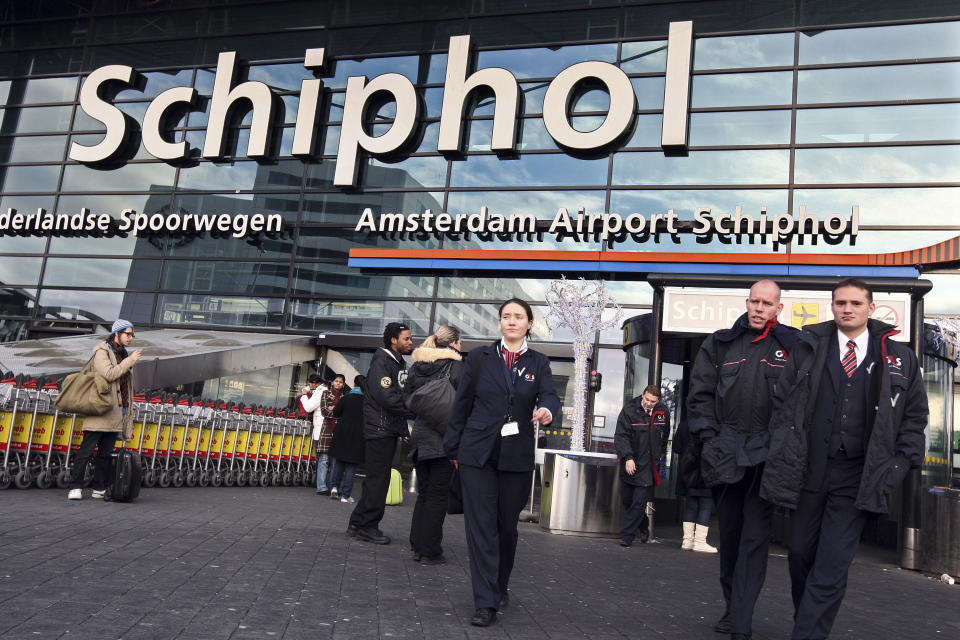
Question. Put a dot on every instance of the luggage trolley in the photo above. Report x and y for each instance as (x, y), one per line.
(238, 466)
(248, 471)
(217, 432)
(161, 475)
(175, 454)
(21, 445)
(273, 450)
(231, 430)
(198, 474)
(67, 425)
(44, 433)
(191, 443)
(150, 433)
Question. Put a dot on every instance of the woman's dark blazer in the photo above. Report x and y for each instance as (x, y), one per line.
(471, 439)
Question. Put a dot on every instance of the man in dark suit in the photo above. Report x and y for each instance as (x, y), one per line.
(731, 395)
(643, 427)
(848, 423)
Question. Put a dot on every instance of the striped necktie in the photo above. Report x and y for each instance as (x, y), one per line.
(849, 361)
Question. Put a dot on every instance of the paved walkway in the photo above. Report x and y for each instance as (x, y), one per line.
(275, 563)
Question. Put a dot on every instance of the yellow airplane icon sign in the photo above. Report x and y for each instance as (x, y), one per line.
(804, 313)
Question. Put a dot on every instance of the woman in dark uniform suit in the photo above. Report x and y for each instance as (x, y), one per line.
(490, 436)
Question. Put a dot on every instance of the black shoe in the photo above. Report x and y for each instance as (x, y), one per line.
(644, 536)
(740, 636)
(484, 617)
(324, 493)
(352, 531)
(417, 557)
(723, 625)
(372, 534)
(625, 543)
(433, 560)
(504, 599)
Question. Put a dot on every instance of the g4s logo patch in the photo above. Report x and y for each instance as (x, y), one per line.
(402, 378)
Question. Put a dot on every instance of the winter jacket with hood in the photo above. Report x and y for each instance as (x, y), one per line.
(428, 364)
(896, 418)
(105, 363)
(731, 396)
(643, 439)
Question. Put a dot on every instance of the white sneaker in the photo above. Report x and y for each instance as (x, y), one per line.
(75, 494)
(334, 494)
(347, 500)
(98, 494)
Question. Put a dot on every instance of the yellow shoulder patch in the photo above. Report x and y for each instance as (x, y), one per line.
(386, 381)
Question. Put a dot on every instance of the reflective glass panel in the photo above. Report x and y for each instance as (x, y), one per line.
(35, 119)
(647, 130)
(876, 242)
(406, 66)
(684, 203)
(410, 173)
(112, 205)
(738, 128)
(276, 246)
(532, 170)
(742, 89)
(545, 63)
(542, 204)
(29, 178)
(91, 139)
(898, 206)
(733, 52)
(328, 243)
(32, 149)
(879, 124)
(102, 306)
(101, 272)
(157, 83)
(485, 287)
(213, 309)
(626, 292)
(337, 280)
(483, 321)
(878, 164)
(244, 175)
(20, 271)
(703, 167)
(258, 278)
(144, 176)
(898, 82)
(644, 57)
(346, 208)
(15, 302)
(21, 244)
(900, 42)
(649, 92)
(50, 90)
(358, 316)
(24, 204)
(945, 295)
(280, 77)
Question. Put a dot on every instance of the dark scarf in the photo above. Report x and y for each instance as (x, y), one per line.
(120, 352)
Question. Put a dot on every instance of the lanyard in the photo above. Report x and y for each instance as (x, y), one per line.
(508, 378)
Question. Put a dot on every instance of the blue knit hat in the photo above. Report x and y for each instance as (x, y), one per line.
(120, 325)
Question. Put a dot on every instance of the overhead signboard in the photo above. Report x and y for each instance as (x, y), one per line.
(696, 310)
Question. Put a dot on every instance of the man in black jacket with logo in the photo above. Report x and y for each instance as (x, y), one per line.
(643, 428)
(384, 420)
(731, 396)
(848, 423)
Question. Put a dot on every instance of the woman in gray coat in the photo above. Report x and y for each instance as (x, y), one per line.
(437, 357)
(110, 360)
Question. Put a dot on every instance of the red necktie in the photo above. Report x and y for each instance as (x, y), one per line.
(849, 362)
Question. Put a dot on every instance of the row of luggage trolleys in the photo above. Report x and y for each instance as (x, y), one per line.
(181, 440)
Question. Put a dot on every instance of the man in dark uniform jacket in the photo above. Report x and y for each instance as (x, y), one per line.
(731, 395)
(641, 441)
(384, 420)
(848, 423)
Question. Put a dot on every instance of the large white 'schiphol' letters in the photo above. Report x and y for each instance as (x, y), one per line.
(307, 109)
(108, 114)
(223, 98)
(556, 104)
(153, 140)
(676, 91)
(352, 135)
(458, 86)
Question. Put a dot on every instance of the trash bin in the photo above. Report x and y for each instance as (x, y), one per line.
(940, 532)
(581, 493)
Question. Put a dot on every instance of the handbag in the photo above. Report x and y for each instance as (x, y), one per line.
(85, 392)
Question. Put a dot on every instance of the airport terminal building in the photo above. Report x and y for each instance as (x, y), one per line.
(316, 169)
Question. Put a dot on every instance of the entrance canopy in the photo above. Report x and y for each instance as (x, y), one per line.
(170, 356)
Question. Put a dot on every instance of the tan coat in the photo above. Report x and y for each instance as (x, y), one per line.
(105, 363)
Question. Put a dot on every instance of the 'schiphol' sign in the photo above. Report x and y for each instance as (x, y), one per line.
(363, 96)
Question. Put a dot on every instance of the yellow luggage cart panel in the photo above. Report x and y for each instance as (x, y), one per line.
(42, 433)
(298, 448)
(205, 434)
(191, 443)
(287, 447)
(243, 443)
(253, 445)
(163, 440)
(216, 435)
(150, 438)
(178, 442)
(264, 452)
(61, 433)
(21, 431)
(276, 443)
(228, 444)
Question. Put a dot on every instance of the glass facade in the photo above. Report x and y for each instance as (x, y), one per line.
(860, 110)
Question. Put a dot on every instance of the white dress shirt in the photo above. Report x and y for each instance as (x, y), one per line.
(860, 343)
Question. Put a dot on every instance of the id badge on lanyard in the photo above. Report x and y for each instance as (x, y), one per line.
(510, 427)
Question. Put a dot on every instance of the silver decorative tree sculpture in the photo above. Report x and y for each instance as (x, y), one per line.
(579, 305)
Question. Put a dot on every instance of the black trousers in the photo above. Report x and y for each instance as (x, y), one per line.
(634, 500)
(433, 489)
(104, 441)
(492, 502)
(744, 518)
(823, 539)
(373, 500)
